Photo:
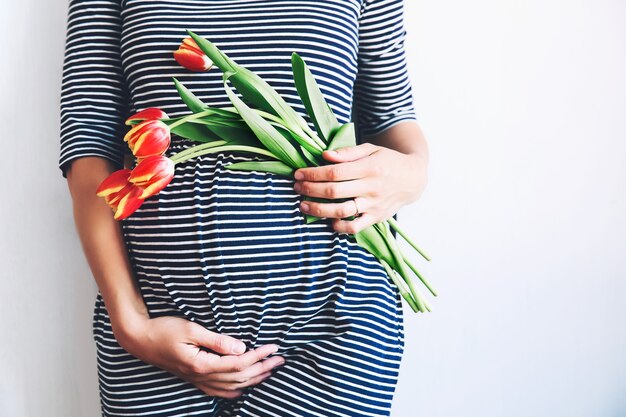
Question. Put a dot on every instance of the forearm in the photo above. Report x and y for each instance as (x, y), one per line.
(103, 243)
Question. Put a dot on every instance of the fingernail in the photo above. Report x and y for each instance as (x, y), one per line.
(239, 348)
(299, 175)
(304, 207)
(275, 349)
(297, 187)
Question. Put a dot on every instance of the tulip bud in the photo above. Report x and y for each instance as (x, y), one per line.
(191, 57)
(113, 183)
(151, 113)
(150, 137)
(122, 196)
(128, 202)
(152, 174)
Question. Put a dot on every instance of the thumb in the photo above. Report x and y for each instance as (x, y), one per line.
(350, 153)
(219, 343)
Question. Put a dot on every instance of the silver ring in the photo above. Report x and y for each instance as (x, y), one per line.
(357, 208)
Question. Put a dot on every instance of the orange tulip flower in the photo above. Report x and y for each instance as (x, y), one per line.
(152, 174)
(151, 113)
(150, 137)
(122, 196)
(191, 57)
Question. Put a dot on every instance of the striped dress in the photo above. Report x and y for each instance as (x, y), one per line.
(231, 250)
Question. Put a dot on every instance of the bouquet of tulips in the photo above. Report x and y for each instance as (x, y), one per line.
(270, 129)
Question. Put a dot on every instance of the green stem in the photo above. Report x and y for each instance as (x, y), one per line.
(271, 118)
(276, 121)
(396, 253)
(311, 134)
(191, 117)
(205, 150)
(182, 154)
(318, 141)
(421, 301)
(394, 224)
(414, 269)
(401, 288)
(315, 141)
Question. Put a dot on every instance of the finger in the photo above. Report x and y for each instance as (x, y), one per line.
(335, 210)
(253, 371)
(239, 363)
(354, 226)
(350, 153)
(336, 172)
(217, 342)
(213, 392)
(333, 190)
(234, 386)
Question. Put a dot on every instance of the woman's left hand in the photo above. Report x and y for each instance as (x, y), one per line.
(379, 179)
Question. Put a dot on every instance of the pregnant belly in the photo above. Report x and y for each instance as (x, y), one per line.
(230, 249)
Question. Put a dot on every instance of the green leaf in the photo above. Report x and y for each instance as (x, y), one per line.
(273, 140)
(195, 132)
(345, 136)
(275, 167)
(212, 52)
(273, 119)
(235, 134)
(309, 156)
(250, 84)
(230, 131)
(194, 103)
(242, 82)
(304, 143)
(311, 218)
(227, 114)
(248, 87)
(316, 106)
(196, 106)
(257, 91)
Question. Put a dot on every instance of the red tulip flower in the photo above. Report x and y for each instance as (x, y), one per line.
(121, 195)
(152, 174)
(150, 137)
(151, 113)
(191, 57)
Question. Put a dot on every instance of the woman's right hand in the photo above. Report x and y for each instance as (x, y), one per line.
(173, 344)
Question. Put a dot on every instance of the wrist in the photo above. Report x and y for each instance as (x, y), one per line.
(417, 167)
(128, 320)
(419, 159)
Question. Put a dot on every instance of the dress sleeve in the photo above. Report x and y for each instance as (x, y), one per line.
(94, 97)
(382, 90)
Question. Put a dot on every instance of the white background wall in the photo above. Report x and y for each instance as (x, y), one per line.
(524, 106)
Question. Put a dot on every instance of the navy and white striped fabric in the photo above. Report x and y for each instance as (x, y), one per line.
(231, 250)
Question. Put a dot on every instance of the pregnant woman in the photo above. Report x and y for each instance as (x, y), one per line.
(216, 298)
